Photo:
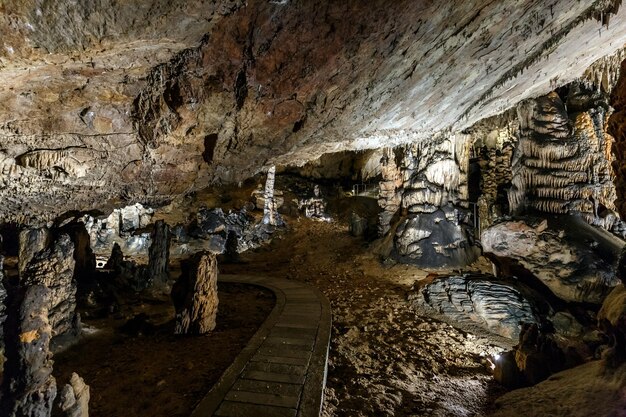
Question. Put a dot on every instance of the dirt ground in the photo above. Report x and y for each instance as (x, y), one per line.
(156, 373)
(386, 357)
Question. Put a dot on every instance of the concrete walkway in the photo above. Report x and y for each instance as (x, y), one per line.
(282, 370)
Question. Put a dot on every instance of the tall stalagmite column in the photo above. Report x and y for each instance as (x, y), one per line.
(270, 214)
(28, 387)
(390, 195)
(159, 254)
(195, 295)
(53, 268)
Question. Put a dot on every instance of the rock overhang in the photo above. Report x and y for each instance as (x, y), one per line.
(138, 88)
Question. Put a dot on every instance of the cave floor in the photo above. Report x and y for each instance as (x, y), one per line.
(157, 373)
(386, 357)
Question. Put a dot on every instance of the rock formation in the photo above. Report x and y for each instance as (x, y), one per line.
(53, 267)
(500, 306)
(315, 207)
(562, 160)
(28, 387)
(270, 209)
(159, 255)
(31, 241)
(434, 233)
(390, 195)
(617, 128)
(73, 399)
(167, 96)
(195, 295)
(535, 358)
(557, 254)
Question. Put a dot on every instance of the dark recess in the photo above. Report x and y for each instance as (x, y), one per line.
(210, 141)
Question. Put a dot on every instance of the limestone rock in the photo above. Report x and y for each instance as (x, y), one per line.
(500, 306)
(159, 255)
(270, 207)
(195, 295)
(74, 398)
(434, 240)
(570, 140)
(31, 241)
(389, 196)
(28, 387)
(168, 96)
(53, 268)
(614, 308)
(315, 207)
(564, 254)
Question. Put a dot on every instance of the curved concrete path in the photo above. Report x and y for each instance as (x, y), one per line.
(282, 370)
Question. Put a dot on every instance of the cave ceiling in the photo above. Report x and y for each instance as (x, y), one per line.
(107, 102)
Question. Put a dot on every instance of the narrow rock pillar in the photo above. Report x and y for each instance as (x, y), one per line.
(270, 213)
(195, 295)
(28, 387)
(74, 398)
(159, 254)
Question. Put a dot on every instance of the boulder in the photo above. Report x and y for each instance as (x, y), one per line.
(499, 306)
(570, 258)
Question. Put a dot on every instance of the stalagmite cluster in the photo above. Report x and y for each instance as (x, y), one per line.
(562, 161)
(434, 199)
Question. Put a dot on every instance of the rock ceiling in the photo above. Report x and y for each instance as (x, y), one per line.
(113, 102)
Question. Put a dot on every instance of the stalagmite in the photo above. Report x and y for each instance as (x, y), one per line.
(53, 267)
(74, 398)
(3, 304)
(159, 254)
(195, 295)
(270, 213)
(31, 242)
(28, 387)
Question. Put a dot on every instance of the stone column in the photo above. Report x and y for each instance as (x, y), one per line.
(159, 254)
(31, 242)
(28, 387)
(54, 268)
(195, 295)
(389, 195)
(270, 213)
(433, 233)
(74, 398)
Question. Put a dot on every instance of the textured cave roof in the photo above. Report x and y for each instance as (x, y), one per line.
(113, 102)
